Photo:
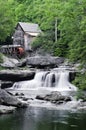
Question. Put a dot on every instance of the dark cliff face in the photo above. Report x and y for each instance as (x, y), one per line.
(8, 77)
(16, 75)
(72, 76)
(6, 84)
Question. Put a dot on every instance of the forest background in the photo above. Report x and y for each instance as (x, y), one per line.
(63, 23)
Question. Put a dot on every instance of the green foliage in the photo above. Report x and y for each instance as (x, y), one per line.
(1, 59)
(6, 18)
(60, 48)
(80, 95)
(37, 43)
(80, 81)
(73, 28)
(44, 42)
(71, 21)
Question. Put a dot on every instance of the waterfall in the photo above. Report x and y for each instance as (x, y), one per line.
(56, 80)
(64, 84)
(51, 79)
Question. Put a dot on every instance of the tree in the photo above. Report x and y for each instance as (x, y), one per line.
(73, 27)
(6, 19)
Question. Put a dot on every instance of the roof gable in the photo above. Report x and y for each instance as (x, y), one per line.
(30, 27)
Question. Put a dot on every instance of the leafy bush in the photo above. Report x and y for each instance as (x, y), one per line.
(44, 42)
(80, 95)
(48, 44)
(80, 81)
(37, 43)
(1, 59)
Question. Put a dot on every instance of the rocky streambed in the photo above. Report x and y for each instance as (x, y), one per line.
(9, 100)
(42, 97)
(51, 100)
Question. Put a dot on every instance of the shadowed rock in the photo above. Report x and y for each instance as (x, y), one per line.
(9, 62)
(9, 100)
(6, 84)
(54, 97)
(16, 75)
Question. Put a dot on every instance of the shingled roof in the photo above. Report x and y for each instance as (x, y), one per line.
(29, 27)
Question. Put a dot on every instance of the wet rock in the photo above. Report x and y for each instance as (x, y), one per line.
(6, 109)
(54, 97)
(44, 61)
(22, 63)
(9, 100)
(9, 62)
(25, 99)
(59, 102)
(16, 75)
(19, 94)
(67, 99)
(6, 84)
(40, 97)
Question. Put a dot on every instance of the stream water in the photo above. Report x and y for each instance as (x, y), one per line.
(33, 118)
(44, 118)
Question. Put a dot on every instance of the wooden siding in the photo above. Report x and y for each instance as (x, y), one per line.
(20, 37)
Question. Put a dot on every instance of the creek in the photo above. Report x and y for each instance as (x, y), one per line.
(55, 80)
(34, 118)
(42, 115)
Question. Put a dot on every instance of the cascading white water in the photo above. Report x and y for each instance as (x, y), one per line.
(51, 79)
(54, 80)
(64, 84)
(31, 84)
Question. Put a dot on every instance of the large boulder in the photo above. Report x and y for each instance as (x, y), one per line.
(9, 62)
(6, 84)
(9, 100)
(22, 63)
(44, 61)
(16, 75)
(55, 97)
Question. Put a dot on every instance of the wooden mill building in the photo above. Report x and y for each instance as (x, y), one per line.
(24, 34)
